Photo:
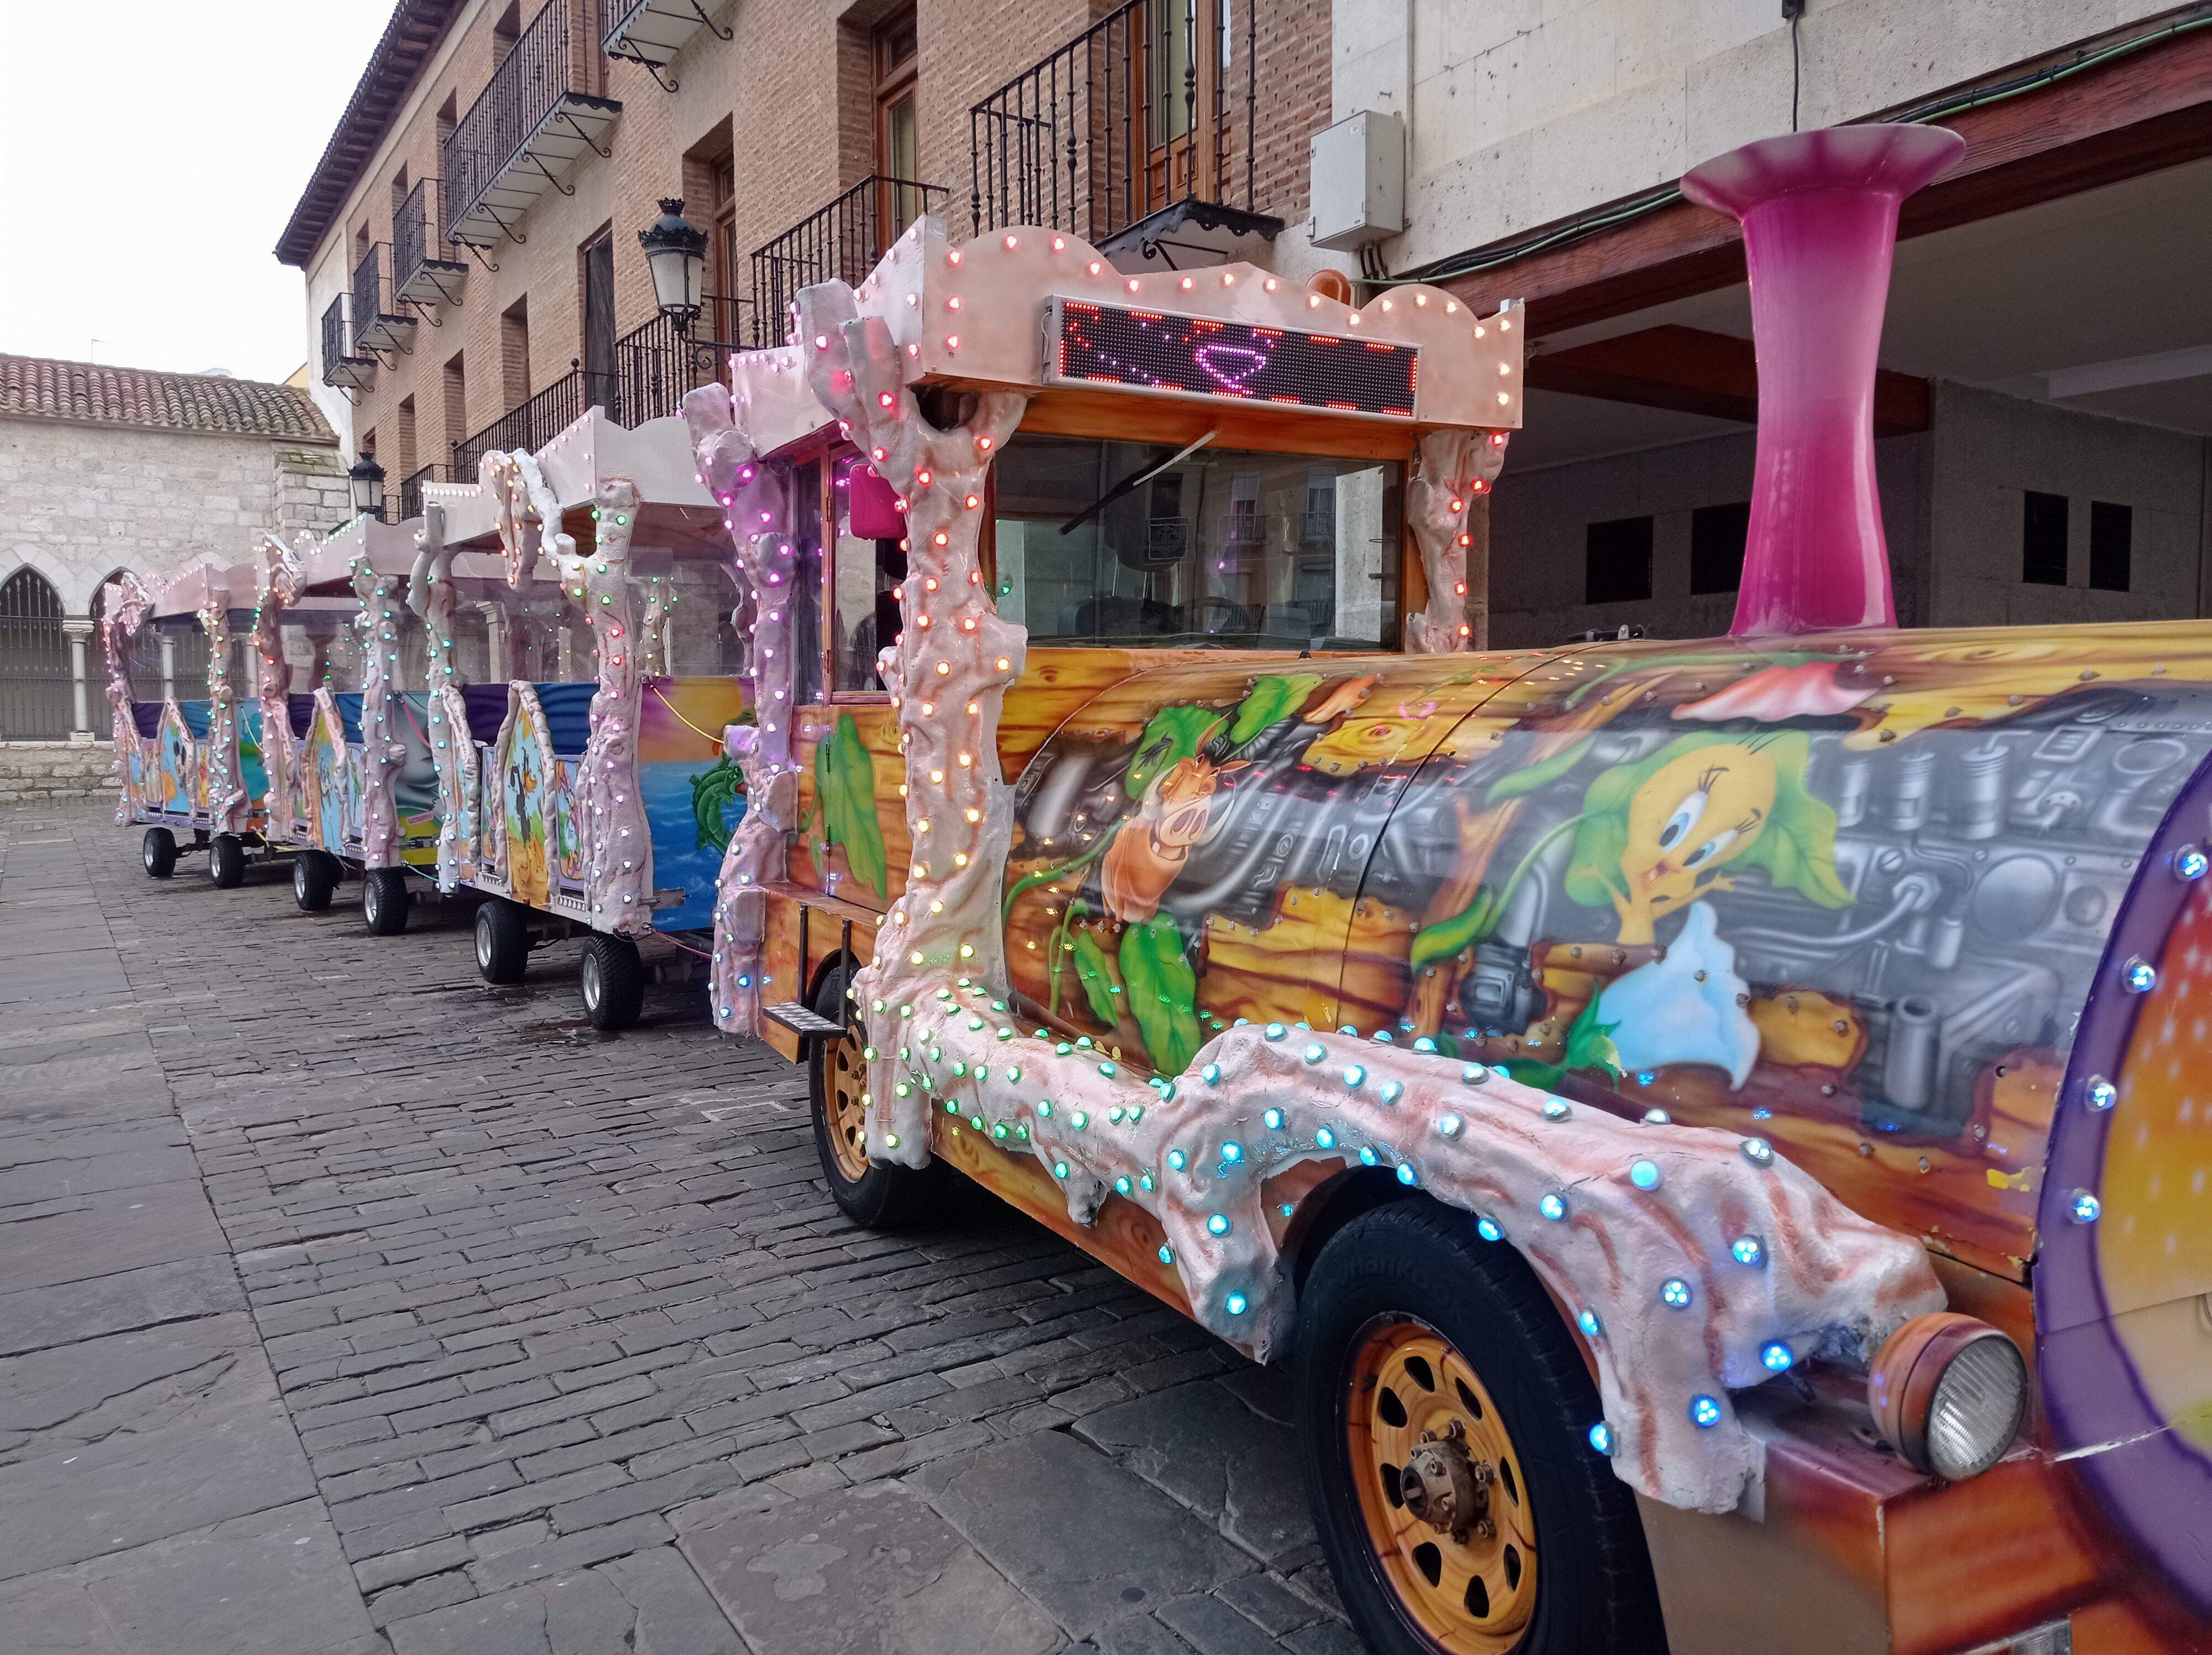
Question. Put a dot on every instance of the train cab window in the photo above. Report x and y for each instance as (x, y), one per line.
(1137, 544)
(864, 615)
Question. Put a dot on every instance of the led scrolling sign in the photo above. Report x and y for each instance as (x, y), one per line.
(1205, 356)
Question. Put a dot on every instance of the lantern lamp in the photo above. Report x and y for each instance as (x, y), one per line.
(366, 483)
(676, 254)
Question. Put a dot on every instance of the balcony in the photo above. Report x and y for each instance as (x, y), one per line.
(1141, 135)
(378, 325)
(532, 426)
(522, 134)
(423, 270)
(840, 243)
(340, 367)
(652, 32)
(655, 365)
(411, 491)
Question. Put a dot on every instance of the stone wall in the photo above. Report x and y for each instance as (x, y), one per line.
(80, 501)
(48, 772)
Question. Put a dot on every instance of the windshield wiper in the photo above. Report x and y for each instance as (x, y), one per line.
(1128, 483)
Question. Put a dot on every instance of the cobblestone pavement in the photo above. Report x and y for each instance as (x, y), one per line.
(348, 1305)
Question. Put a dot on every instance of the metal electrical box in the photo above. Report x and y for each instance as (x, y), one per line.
(1359, 180)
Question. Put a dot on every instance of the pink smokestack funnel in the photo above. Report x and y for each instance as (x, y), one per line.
(1819, 211)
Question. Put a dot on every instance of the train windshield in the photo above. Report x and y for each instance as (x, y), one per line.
(1134, 544)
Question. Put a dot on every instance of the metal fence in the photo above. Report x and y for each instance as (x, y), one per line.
(1133, 114)
(414, 237)
(334, 339)
(842, 243)
(524, 89)
(656, 364)
(35, 679)
(532, 426)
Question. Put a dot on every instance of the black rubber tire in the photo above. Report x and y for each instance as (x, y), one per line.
(158, 851)
(314, 880)
(612, 981)
(1417, 1260)
(882, 1197)
(385, 900)
(227, 862)
(502, 941)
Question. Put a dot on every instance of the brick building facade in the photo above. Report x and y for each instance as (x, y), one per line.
(759, 134)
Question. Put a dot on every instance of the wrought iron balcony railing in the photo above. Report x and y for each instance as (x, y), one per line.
(842, 243)
(533, 425)
(340, 366)
(652, 32)
(522, 134)
(377, 323)
(423, 269)
(655, 365)
(1141, 135)
(410, 491)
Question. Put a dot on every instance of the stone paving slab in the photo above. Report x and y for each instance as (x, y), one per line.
(549, 1342)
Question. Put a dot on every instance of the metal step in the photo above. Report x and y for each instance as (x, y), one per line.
(801, 1021)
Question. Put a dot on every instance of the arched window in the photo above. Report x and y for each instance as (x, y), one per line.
(35, 681)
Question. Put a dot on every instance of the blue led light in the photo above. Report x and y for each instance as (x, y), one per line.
(1325, 1138)
(1759, 1151)
(1474, 1074)
(1644, 1175)
(1392, 1092)
(1748, 1250)
(1674, 1293)
(1274, 1117)
(2083, 1208)
(1122, 1185)
(1486, 1228)
(1367, 1155)
(2100, 1094)
(1354, 1075)
(1555, 1108)
(2139, 975)
(1644, 1077)
(1601, 1438)
(1657, 1117)
(1234, 1304)
(1425, 1044)
(1589, 1324)
(1315, 1053)
(1218, 1224)
(1777, 1357)
(1385, 1036)
(1449, 1126)
(1554, 1206)
(1406, 1172)
(1211, 1073)
(1704, 1413)
(1232, 1151)
(2191, 863)
(1274, 1031)
(1175, 1160)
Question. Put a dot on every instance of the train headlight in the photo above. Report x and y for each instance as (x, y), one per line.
(1949, 1391)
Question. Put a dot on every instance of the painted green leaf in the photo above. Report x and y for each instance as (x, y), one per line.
(713, 790)
(1162, 992)
(1173, 734)
(845, 785)
(1590, 1044)
(1097, 976)
(1472, 925)
(1273, 698)
(1533, 776)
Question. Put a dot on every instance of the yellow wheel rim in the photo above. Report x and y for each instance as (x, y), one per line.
(1442, 1491)
(844, 1083)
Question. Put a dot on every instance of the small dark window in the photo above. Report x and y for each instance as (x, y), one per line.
(1716, 538)
(2043, 539)
(2112, 544)
(1617, 561)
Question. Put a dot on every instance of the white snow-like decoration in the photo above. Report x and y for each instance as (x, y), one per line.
(384, 754)
(1694, 1260)
(1685, 1006)
(125, 604)
(279, 585)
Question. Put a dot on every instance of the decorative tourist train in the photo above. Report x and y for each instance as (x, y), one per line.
(1713, 1122)
(185, 762)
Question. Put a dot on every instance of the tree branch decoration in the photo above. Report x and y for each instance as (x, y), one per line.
(276, 589)
(124, 604)
(383, 754)
(1451, 468)
(228, 807)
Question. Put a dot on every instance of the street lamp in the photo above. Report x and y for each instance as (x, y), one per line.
(366, 483)
(676, 254)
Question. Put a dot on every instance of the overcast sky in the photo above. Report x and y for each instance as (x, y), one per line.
(150, 154)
